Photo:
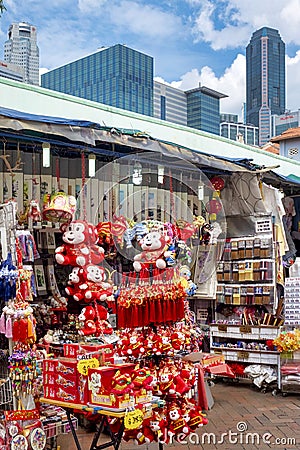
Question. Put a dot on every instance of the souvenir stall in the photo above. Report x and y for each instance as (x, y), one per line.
(107, 255)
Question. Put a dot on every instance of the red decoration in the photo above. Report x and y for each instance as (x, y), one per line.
(80, 245)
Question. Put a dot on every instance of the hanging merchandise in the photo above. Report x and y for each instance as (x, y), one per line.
(8, 278)
(80, 245)
(156, 291)
(27, 245)
(59, 207)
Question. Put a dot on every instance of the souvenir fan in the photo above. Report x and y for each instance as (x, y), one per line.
(59, 207)
(120, 231)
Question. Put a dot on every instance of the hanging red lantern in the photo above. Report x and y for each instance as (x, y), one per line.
(218, 183)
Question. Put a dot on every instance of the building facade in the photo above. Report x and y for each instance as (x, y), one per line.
(117, 76)
(11, 71)
(21, 49)
(265, 80)
(291, 119)
(289, 142)
(236, 131)
(170, 103)
(203, 109)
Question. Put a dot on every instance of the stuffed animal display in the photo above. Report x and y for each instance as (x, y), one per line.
(94, 321)
(153, 245)
(80, 245)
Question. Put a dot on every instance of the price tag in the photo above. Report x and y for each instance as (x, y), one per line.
(222, 327)
(85, 364)
(245, 329)
(133, 419)
(217, 351)
(243, 355)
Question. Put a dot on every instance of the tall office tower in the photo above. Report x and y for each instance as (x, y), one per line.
(203, 109)
(265, 80)
(118, 76)
(21, 49)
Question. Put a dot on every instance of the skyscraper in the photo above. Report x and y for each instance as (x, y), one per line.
(265, 80)
(21, 49)
(118, 76)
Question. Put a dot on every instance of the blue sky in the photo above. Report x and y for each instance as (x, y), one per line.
(191, 41)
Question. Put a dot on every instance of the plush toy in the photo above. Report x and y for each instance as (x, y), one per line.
(177, 341)
(96, 286)
(94, 321)
(121, 383)
(76, 278)
(153, 245)
(205, 234)
(197, 419)
(141, 378)
(135, 346)
(80, 245)
(87, 318)
(176, 424)
(34, 211)
(185, 277)
(165, 380)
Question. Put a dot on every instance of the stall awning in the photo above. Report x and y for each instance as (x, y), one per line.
(92, 136)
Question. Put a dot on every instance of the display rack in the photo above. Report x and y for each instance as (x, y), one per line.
(245, 344)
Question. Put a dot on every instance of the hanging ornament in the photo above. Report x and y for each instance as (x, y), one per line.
(59, 207)
(218, 183)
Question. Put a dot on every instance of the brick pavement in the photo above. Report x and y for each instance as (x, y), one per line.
(259, 421)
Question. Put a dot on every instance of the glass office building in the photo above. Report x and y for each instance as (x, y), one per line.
(118, 76)
(203, 109)
(265, 80)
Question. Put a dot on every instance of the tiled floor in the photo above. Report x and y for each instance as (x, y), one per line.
(242, 418)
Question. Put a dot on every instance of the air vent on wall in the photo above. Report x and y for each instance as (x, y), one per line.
(293, 151)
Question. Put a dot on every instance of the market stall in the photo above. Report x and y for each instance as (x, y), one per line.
(106, 260)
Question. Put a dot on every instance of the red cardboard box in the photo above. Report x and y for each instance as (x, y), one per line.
(74, 350)
(67, 366)
(100, 388)
(49, 365)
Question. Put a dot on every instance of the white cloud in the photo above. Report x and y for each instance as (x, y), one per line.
(292, 82)
(231, 83)
(237, 19)
(90, 5)
(144, 20)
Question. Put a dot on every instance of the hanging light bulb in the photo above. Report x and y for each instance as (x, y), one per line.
(92, 165)
(46, 154)
(160, 174)
(137, 176)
